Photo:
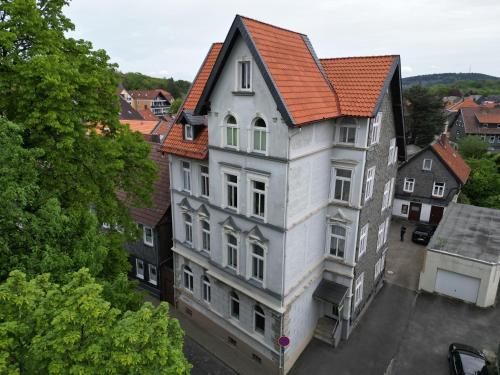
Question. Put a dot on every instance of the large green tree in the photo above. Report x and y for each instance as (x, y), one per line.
(68, 152)
(47, 328)
(424, 115)
(472, 147)
(483, 186)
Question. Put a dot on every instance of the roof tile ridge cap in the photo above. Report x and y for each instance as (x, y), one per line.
(357, 57)
(268, 24)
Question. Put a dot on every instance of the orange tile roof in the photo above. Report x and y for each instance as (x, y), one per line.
(451, 157)
(202, 77)
(150, 94)
(147, 115)
(306, 93)
(141, 126)
(467, 102)
(358, 81)
(176, 144)
(491, 116)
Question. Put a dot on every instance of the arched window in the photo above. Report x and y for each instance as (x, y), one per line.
(232, 251)
(205, 235)
(188, 278)
(235, 305)
(231, 131)
(259, 320)
(337, 240)
(188, 227)
(206, 289)
(259, 135)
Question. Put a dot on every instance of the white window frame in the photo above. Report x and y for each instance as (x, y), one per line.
(206, 289)
(226, 183)
(370, 182)
(233, 297)
(137, 273)
(204, 181)
(188, 228)
(335, 168)
(186, 175)
(386, 228)
(492, 139)
(391, 192)
(381, 235)
(262, 315)
(386, 197)
(187, 279)
(379, 266)
(261, 261)
(239, 75)
(347, 128)
(188, 132)
(358, 290)
(438, 190)
(409, 185)
(392, 152)
(376, 125)
(263, 132)
(205, 235)
(407, 208)
(252, 192)
(233, 248)
(106, 225)
(151, 280)
(145, 239)
(363, 240)
(337, 237)
(235, 132)
(429, 168)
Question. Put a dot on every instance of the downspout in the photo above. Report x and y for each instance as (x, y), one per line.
(173, 222)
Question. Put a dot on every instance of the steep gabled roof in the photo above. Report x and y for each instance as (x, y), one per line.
(147, 115)
(141, 126)
(471, 121)
(360, 81)
(451, 158)
(290, 69)
(127, 112)
(150, 94)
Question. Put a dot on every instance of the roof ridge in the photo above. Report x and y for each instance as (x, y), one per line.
(269, 24)
(356, 57)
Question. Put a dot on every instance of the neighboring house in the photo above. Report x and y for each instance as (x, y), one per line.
(124, 94)
(481, 121)
(429, 181)
(158, 101)
(282, 172)
(463, 258)
(127, 112)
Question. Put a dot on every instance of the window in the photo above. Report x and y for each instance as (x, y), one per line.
(492, 139)
(387, 228)
(205, 235)
(427, 165)
(231, 132)
(404, 209)
(370, 180)
(347, 134)
(386, 198)
(188, 228)
(205, 182)
(259, 320)
(337, 240)
(231, 191)
(153, 276)
(409, 185)
(257, 262)
(259, 136)
(139, 268)
(245, 76)
(186, 176)
(342, 185)
(258, 197)
(377, 122)
(363, 240)
(235, 305)
(438, 189)
(392, 152)
(147, 235)
(358, 291)
(379, 266)
(188, 132)
(106, 225)
(206, 290)
(188, 278)
(232, 251)
(381, 235)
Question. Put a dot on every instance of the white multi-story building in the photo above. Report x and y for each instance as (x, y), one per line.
(282, 172)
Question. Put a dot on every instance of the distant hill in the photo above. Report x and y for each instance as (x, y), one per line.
(139, 81)
(445, 78)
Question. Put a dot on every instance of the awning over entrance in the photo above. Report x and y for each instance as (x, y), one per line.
(331, 292)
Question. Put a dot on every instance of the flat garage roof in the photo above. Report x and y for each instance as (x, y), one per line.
(470, 231)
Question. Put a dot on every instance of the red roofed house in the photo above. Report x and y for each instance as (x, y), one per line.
(282, 175)
(158, 101)
(429, 181)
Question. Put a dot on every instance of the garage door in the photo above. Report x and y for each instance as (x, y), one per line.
(457, 285)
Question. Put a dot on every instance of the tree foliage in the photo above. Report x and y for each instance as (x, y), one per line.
(483, 186)
(174, 107)
(467, 87)
(47, 328)
(472, 146)
(139, 81)
(424, 115)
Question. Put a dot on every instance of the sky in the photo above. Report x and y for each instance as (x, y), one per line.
(165, 38)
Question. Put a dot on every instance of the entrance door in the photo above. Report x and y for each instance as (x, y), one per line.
(457, 285)
(436, 214)
(415, 209)
(166, 284)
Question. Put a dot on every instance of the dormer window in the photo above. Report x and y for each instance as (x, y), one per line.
(188, 132)
(244, 76)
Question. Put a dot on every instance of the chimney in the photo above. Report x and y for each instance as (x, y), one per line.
(443, 139)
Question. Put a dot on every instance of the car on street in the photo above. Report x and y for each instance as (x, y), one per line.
(422, 234)
(466, 360)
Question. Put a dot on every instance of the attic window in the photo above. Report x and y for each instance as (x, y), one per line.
(188, 132)
(244, 77)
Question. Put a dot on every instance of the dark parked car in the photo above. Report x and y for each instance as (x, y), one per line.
(423, 233)
(466, 360)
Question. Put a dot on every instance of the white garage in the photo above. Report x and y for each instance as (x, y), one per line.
(462, 260)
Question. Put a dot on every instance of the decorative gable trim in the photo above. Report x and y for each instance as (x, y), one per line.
(230, 225)
(256, 235)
